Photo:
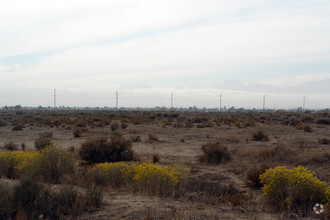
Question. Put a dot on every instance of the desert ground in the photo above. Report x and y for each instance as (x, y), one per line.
(211, 191)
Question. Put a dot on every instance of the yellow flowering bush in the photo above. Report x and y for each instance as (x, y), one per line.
(294, 189)
(117, 173)
(12, 163)
(48, 164)
(158, 180)
(146, 177)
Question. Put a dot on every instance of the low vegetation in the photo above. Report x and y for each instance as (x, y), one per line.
(259, 164)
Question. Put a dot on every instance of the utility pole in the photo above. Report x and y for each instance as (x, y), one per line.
(263, 103)
(116, 99)
(54, 98)
(172, 100)
(304, 102)
(220, 101)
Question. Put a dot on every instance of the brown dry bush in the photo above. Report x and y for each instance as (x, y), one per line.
(232, 139)
(10, 146)
(277, 154)
(152, 138)
(324, 141)
(30, 200)
(155, 158)
(136, 138)
(114, 125)
(100, 150)
(260, 136)
(51, 166)
(214, 153)
(253, 174)
(307, 128)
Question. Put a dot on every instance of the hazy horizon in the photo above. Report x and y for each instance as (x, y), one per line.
(147, 50)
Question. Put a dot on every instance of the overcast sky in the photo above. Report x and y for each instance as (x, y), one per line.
(146, 50)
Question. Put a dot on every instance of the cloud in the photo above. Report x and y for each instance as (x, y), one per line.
(101, 45)
(296, 80)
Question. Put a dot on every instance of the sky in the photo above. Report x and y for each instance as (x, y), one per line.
(147, 50)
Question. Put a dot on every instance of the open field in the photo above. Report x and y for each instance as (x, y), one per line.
(209, 190)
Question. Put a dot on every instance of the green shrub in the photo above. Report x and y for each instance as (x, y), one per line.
(295, 190)
(101, 150)
(214, 153)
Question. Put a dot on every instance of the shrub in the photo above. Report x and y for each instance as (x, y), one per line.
(101, 150)
(214, 153)
(136, 138)
(13, 163)
(260, 136)
(144, 177)
(159, 180)
(23, 146)
(3, 123)
(44, 140)
(323, 121)
(117, 174)
(46, 134)
(296, 189)
(324, 141)
(155, 158)
(123, 125)
(252, 176)
(77, 132)
(30, 200)
(152, 138)
(307, 128)
(25, 197)
(114, 125)
(52, 164)
(11, 146)
(18, 128)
